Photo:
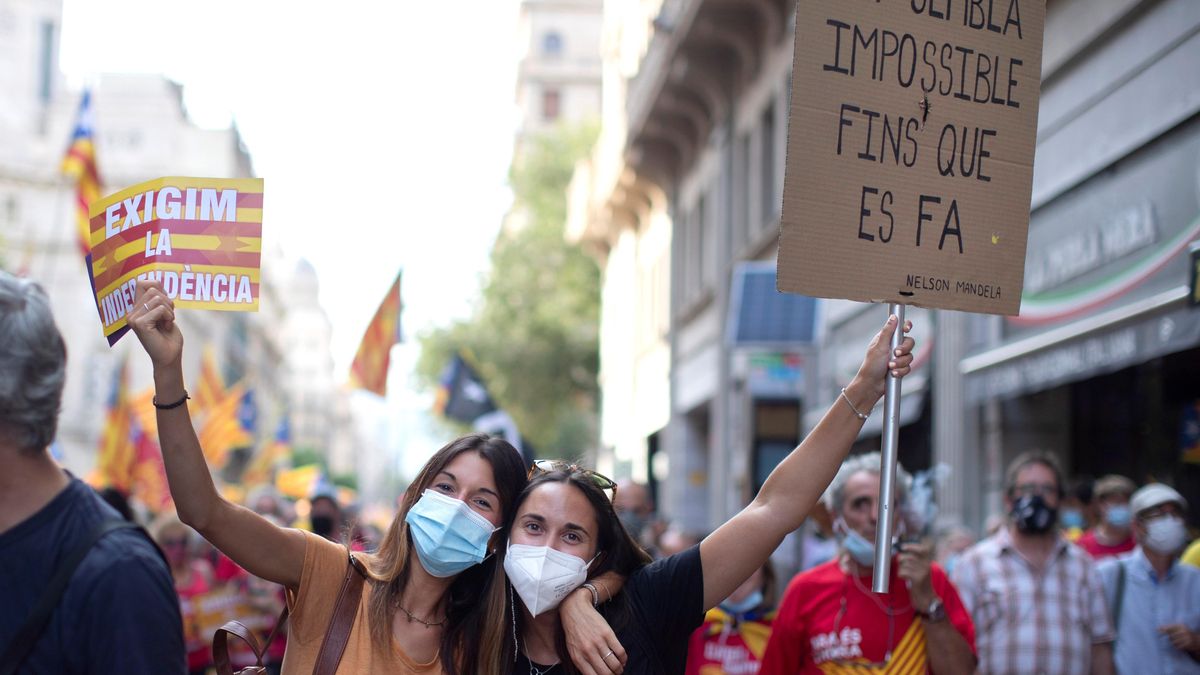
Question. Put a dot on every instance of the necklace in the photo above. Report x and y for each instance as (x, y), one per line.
(534, 670)
(413, 617)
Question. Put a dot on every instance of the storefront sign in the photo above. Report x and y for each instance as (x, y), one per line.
(910, 156)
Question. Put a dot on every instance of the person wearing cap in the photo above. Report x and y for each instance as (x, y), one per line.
(1155, 601)
(1113, 535)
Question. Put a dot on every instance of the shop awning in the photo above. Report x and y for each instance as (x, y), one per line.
(1100, 344)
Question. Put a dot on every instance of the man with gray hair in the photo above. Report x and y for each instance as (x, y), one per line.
(830, 619)
(83, 590)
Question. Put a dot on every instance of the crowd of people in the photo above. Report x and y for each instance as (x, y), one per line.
(493, 567)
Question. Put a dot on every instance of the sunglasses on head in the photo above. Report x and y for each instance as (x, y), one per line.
(547, 465)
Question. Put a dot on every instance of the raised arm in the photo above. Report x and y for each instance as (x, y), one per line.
(263, 548)
(743, 544)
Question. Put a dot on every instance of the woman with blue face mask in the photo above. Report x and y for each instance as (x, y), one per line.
(733, 637)
(433, 598)
(1113, 535)
(565, 532)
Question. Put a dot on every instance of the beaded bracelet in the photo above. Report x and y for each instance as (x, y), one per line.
(171, 406)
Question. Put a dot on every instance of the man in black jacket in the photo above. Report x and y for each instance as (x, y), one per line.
(119, 612)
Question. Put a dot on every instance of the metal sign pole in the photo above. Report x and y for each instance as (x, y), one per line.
(887, 470)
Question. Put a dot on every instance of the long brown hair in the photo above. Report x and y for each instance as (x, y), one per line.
(474, 633)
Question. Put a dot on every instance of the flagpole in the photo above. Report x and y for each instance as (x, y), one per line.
(881, 578)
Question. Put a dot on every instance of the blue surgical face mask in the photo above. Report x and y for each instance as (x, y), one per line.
(752, 601)
(448, 535)
(1118, 515)
(861, 550)
(1072, 518)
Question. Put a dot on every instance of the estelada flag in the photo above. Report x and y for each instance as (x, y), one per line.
(80, 165)
(116, 453)
(370, 367)
(222, 432)
(268, 456)
(211, 388)
(463, 395)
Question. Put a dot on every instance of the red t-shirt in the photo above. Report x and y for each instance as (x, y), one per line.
(228, 571)
(198, 652)
(722, 647)
(830, 622)
(1098, 551)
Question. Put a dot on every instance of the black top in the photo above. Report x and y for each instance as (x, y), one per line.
(119, 614)
(664, 603)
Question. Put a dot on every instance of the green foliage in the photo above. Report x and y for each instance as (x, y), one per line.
(346, 480)
(534, 337)
(303, 456)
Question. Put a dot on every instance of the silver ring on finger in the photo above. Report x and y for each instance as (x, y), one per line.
(610, 653)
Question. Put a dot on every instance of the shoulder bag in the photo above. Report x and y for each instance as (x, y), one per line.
(336, 636)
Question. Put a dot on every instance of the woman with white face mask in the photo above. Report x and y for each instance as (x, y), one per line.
(433, 598)
(566, 532)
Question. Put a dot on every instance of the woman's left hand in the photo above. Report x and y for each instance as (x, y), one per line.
(593, 646)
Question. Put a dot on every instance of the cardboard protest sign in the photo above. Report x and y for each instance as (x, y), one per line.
(910, 151)
(200, 237)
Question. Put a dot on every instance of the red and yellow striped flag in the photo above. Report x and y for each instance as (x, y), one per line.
(211, 387)
(116, 454)
(222, 431)
(149, 474)
(80, 165)
(370, 367)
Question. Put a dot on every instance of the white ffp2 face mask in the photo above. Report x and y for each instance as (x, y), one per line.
(543, 576)
(1165, 535)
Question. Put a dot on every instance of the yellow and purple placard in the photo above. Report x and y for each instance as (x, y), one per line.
(200, 237)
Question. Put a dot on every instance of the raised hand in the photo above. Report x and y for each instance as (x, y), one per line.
(878, 362)
(153, 322)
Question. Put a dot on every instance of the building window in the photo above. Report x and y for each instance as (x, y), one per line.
(552, 44)
(46, 62)
(741, 197)
(551, 104)
(767, 170)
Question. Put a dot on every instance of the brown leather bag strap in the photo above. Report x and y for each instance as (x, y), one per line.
(239, 630)
(221, 646)
(344, 613)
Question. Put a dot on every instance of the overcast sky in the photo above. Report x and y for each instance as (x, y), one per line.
(383, 129)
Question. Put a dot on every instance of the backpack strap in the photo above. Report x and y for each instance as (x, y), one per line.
(344, 613)
(27, 636)
(1120, 599)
